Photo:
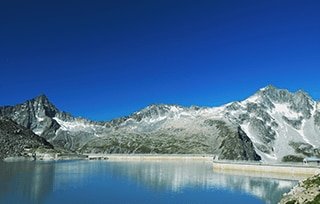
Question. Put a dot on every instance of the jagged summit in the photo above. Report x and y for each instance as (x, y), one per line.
(281, 94)
(41, 97)
(269, 87)
(299, 101)
(44, 106)
(156, 110)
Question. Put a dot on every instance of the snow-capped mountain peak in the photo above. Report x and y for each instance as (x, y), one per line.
(279, 123)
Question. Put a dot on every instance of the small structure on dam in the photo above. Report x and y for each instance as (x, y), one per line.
(311, 160)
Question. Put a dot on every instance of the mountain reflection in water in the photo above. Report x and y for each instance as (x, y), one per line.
(25, 181)
(54, 182)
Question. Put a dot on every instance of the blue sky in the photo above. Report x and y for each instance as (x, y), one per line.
(106, 59)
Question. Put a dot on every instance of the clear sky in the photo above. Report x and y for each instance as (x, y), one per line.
(106, 59)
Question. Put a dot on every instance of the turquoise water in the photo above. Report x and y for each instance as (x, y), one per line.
(132, 182)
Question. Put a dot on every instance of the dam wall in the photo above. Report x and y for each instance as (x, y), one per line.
(288, 169)
(152, 157)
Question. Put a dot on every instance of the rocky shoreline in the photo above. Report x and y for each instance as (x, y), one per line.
(306, 191)
(40, 156)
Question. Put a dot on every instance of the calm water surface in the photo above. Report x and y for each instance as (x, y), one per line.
(133, 182)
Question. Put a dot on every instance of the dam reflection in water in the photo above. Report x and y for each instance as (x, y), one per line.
(134, 182)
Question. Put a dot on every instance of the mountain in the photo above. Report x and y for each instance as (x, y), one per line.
(17, 140)
(282, 125)
(272, 125)
(58, 127)
(171, 129)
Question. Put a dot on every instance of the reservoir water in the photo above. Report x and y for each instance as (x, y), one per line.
(134, 182)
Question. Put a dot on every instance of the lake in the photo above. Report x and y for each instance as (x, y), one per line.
(134, 182)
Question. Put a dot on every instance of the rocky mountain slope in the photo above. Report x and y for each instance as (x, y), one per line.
(17, 140)
(272, 125)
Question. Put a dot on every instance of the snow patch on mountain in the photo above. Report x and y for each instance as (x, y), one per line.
(76, 125)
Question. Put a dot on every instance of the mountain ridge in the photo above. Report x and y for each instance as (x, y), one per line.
(252, 129)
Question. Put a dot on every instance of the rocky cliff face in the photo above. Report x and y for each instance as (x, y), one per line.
(272, 125)
(34, 114)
